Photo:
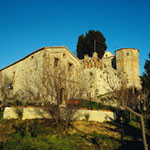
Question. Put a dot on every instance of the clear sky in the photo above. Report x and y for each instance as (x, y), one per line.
(27, 25)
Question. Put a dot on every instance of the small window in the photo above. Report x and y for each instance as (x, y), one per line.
(56, 61)
(127, 54)
(64, 55)
(91, 73)
(70, 66)
(10, 86)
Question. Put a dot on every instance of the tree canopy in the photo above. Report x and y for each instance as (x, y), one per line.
(86, 44)
(146, 74)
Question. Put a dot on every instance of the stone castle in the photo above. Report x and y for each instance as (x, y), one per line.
(100, 74)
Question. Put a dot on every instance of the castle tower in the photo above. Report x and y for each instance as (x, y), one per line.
(127, 60)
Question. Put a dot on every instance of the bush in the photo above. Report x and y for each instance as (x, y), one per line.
(88, 104)
(95, 105)
(18, 103)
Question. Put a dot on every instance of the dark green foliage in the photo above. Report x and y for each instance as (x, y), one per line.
(80, 47)
(146, 75)
(88, 104)
(94, 105)
(85, 44)
(18, 103)
(125, 116)
(30, 103)
(147, 125)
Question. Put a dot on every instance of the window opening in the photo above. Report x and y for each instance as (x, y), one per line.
(10, 86)
(56, 62)
(70, 67)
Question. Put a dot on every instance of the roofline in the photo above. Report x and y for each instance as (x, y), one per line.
(126, 48)
(22, 59)
(107, 56)
(36, 52)
(68, 51)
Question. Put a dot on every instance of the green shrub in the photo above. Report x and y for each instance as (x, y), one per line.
(18, 103)
(95, 105)
(88, 104)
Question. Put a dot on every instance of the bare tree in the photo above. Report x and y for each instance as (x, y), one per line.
(57, 92)
(134, 101)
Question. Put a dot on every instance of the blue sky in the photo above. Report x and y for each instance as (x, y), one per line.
(27, 25)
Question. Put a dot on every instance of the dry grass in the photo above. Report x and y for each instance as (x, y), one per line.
(86, 127)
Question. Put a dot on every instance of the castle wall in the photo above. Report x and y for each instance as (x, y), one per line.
(17, 73)
(101, 81)
(107, 78)
(24, 73)
(92, 74)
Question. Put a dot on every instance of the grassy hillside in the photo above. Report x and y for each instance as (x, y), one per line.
(83, 135)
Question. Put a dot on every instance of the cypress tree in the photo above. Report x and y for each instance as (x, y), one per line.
(85, 44)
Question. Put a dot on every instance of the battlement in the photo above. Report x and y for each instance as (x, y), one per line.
(92, 62)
